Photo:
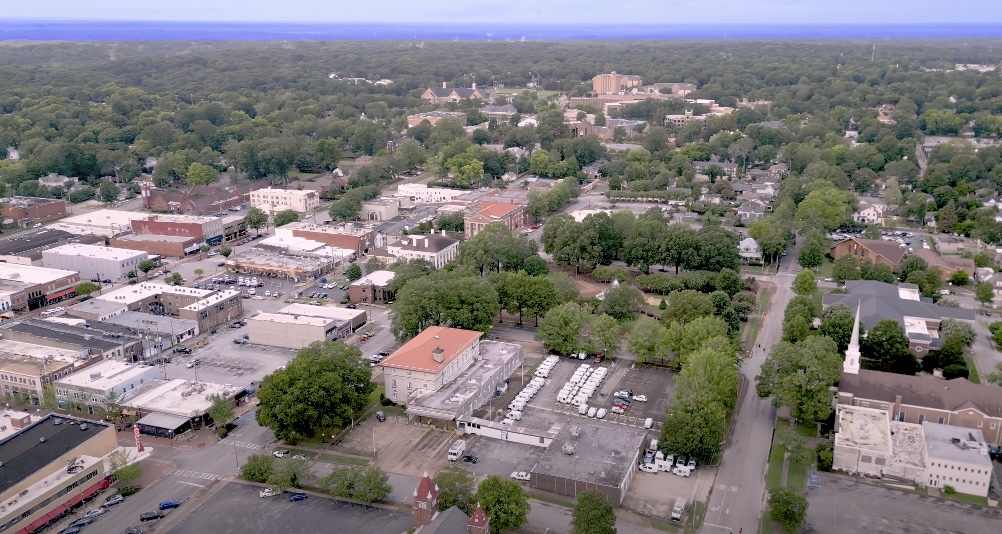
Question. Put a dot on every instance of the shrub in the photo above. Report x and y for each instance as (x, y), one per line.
(949, 490)
(825, 457)
(222, 431)
(128, 490)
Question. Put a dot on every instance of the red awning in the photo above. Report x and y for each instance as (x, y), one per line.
(36, 525)
(61, 294)
(88, 492)
(57, 511)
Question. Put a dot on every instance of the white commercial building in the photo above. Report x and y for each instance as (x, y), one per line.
(958, 457)
(274, 200)
(92, 261)
(438, 250)
(168, 407)
(95, 383)
(423, 193)
(104, 223)
(290, 331)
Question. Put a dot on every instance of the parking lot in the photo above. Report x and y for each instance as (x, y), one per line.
(237, 509)
(842, 504)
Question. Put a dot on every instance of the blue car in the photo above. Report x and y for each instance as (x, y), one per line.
(167, 505)
(298, 497)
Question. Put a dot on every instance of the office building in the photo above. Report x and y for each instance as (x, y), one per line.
(93, 261)
(272, 200)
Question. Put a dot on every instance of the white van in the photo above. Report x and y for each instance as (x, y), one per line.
(649, 423)
(601, 413)
(582, 409)
(516, 405)
(592, 411)
(514, 415)
(648, 468)
(457, 450)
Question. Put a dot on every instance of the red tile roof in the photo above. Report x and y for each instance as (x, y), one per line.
(479, 518)
(418, 354)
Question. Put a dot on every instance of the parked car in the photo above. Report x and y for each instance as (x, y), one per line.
(239, 341)
(193, 363)
(113, 500)
(70, 530)
(94, 513)
(167, 505)
(268, 492)
(151, 516)
(82, 522)
(520, 475)
(298, 497)
(470, 459)
(281, 453)
(299, 457)
(381, 417)
(182, 350)
(640, 398)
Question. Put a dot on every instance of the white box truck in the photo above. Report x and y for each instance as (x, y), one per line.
(678, 509)
(457, 450)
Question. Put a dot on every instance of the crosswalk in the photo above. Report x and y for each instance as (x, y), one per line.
(197, 474)
(244, 444)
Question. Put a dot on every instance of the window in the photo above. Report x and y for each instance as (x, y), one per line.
(941, 420)
(921, 418)
(901, 415)
(981, 424)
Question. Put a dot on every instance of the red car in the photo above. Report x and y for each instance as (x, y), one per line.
(535, 227)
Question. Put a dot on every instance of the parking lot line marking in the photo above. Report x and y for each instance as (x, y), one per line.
(716, 526)
(191, 483)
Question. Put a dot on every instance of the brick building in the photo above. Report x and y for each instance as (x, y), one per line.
(881, 252)
(166, 246)
(208, 229)
(513, 216)
(28, 211)
(348, 236)
(372, 288)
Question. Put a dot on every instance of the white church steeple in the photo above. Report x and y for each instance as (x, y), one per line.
(851, 364)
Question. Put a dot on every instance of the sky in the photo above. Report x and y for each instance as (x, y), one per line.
(519, 11)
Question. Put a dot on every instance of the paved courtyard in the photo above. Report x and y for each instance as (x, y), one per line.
(842, 505)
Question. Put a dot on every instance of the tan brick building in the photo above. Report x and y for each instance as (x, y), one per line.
(511, 215)
(881, 252)
(614, 82)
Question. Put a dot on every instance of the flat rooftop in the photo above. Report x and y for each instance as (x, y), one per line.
(112, 373)
(28, 242)
(94, 251)
(353, 229)
(30, 274)
(330, 312)
(160, 324)
(96, 306)
(156, 238)
(863, 428)
(908, 444)
(956, 443)
(99, 222)
(376, 278)
(179, 218)
(26, 365)
(215, 297)
(63, 333)
(282, 318)
(137, 292)
(170, 397)
(302, 244)
(26, 452)
(9, 346)
(602, 454)
(291, 192)
(7, 430)
(450, 397)
(268, 258)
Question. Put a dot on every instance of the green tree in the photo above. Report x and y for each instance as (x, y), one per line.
(465, 168)
(256, 219)
(982, 259)
(846, 268)
(86, 288)
(504, 502)
(910, 265)
(620, 302)
(788, 508)
(560, 329)
(995, 377)
(221, 411)
(984, 293)
(593, 515)
(805, 284)
(354, 272)
(799, 376)
(290, 404)
(836, 324)
(797, 451)
(200, 174)
(647, 340)
(605, 331)
(892, 192)
(225, 251)
(146, 266)
(449, 298)
(886, 349)
(49, 401)
(811, 255)
(290, 473)
(946, 218)
(693, 335)
(456, 488)
(285, 217)
(695, 430)
(174, 279)
(110, 407)
(959, 278)
(372, 485)
(107, 191)
(257, 468)
(685, 306)
(124, 468)
(962, 330)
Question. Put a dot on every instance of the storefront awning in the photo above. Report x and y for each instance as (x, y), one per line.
(61, 294)
(163, 420)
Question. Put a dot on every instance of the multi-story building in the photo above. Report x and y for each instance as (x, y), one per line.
(29, 211)
(683, 119)
(30, 287)
(272, 200)
(29, 252)
(957, 457)
(437, 250)
(208, 229)
(199, 200)
(349, 236)
(372, 288)
(615, 83)
(208, 308)
(25, 375)
(291, 331)
(50, 464)
(423, 193)
(511, 216)
(502, 113)
(434, 116)
(94, 262)
(165, 246)
(108, 379)
(445, 94)
(90, 340)
(380, 209)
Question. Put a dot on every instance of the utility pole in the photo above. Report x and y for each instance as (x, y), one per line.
(873, 53)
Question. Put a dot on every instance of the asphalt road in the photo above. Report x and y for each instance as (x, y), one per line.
(737, 497)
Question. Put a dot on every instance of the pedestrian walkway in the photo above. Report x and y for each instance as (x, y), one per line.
(196, 474)
(244, 444)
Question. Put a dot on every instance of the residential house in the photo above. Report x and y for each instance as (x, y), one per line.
(57, 180)
(445, 94)
(869, 214)
(729, 169)
(437, 250)
(886, 253)
(751, 210)
(948, 265)
(919, 317)
(779, 170)
(749, 250)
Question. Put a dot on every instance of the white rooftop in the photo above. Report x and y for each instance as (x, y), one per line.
(291, 319)
(99, 222)
(137, 292)
(8, 346)
(179, 218)
(956, 443)
(863, 428)
(376, 278)
(329, 312)
(185, 398)
(112, 373)
(6, 429)
(333, 229)
(214, 298)
(289, 242)
(579, 215)
(30, 274)
(94, 251)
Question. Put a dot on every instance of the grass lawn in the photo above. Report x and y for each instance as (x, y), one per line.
(297, 175)
(974, 378)
(796, 477)
(807, 430)
(696, 516)
(664, 527)
(826, 269)
(541, 496)
(963, 497)
(774, 475)
(328, 457)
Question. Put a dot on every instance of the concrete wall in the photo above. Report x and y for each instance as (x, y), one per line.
(288, 335)
(965, 477)
(490, 429)
(91, 267)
